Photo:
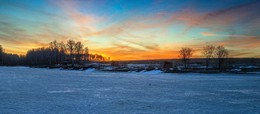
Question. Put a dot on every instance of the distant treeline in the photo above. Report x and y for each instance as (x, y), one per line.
(13, 59)
(70, 52)
(208, 52)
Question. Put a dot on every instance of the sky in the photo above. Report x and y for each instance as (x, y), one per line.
(133, 29)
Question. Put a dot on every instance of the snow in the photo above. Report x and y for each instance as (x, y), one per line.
(90, 70)
(248, 67)
(151, 72)
(235, 70)
(34, 90)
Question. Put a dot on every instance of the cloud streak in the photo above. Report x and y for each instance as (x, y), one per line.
(129, 33)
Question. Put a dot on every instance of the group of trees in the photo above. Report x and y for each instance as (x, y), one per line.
(58, 53)
(186, 54)
(219, 52)
(8, 59)
(70, 52)
(209, 51)
(1, 55)
(73, 52)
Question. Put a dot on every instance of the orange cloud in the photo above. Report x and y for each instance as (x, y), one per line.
(70, 7)
(229, 36)
(127, 42)
(249, 43)
(208, 34)
(220, 20)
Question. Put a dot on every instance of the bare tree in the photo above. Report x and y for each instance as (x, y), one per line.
(185, 55)
(208, 53)
(222, 54)
(8, 59)
(53, 45)
(86, 54)
(1, 55)
(71, 49)
(79, 49)
(54, 52)
(62, 52)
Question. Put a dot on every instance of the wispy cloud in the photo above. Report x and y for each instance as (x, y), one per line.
(208, 34)
(228, 36)
(221, 19)
(129, 34)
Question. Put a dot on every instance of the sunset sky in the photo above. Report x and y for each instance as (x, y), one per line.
(133, 29)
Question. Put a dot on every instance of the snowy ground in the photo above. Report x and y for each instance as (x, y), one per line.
(31, 90)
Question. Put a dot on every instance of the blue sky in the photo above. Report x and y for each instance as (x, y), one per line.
(133, 29)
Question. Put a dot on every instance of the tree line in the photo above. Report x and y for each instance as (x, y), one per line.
(71, 52)
(209, 52)
(56, 53)
(8, 59)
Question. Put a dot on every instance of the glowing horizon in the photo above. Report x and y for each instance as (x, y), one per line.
(132, 30)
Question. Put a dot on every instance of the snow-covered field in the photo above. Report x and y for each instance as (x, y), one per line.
(31, 90)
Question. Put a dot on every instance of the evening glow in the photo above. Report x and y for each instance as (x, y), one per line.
(132, 29)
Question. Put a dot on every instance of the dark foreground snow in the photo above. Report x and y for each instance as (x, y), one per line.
(30, 90)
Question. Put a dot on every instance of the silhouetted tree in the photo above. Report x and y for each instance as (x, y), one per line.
(11, 59)
(1, 55)
(39, 56)
(8, 59)
(221, 54)
(71, 50)
(208, 53)
(62, 52)
(185, 55)
(55, 53)
(79, 50)
(86, 54)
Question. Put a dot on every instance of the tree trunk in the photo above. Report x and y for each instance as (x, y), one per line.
(219, 64)
(207, 63)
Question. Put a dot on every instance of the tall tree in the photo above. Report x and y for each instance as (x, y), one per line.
(185, 55)
(208, 53)
(79, 50)
(86, 54)
(52, 47)
(222, 54)
(71, 49)
(62, 52)
(1, 55)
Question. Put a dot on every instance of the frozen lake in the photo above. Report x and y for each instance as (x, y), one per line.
(31, 90)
